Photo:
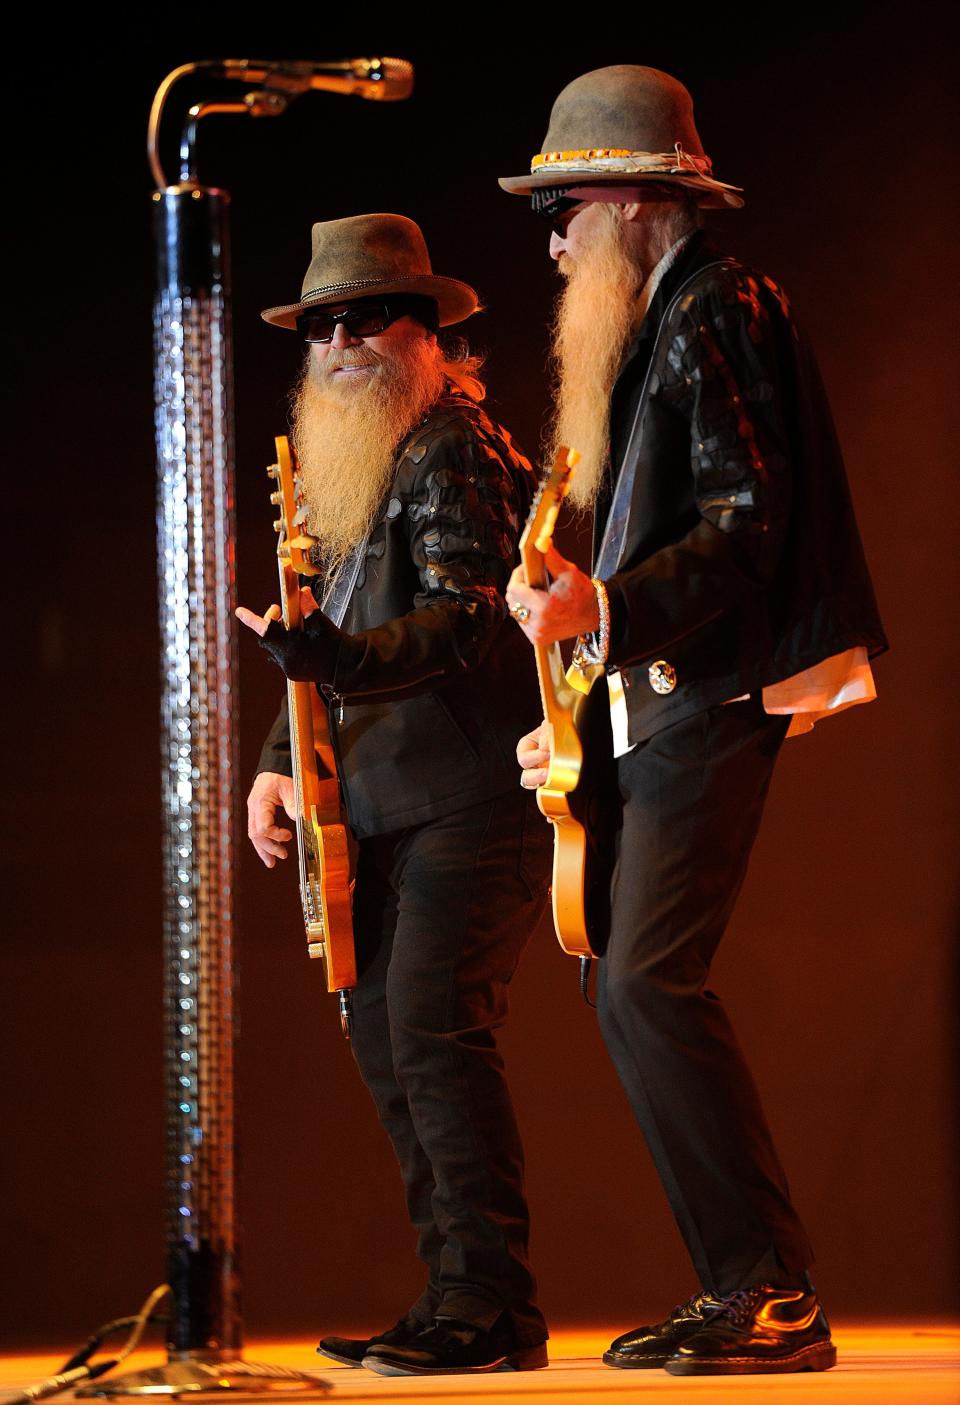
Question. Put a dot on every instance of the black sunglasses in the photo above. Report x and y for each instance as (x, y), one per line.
(367, 319)
(553, 211)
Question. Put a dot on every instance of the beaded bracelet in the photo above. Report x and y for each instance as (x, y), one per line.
(603, 629)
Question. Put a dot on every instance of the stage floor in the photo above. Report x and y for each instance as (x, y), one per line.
(878, 1365)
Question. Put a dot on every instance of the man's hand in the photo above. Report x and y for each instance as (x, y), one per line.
(567, 609)
(258, 623)
(267, 793)
(261, 623)
(533, 753)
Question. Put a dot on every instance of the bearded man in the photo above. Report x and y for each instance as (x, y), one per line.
(731, 606)
(416, 498)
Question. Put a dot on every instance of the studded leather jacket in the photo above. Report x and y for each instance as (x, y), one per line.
(741, 562)
(430, 683)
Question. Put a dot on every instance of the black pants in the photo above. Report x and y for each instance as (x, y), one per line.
(442, 913)
(693, 796)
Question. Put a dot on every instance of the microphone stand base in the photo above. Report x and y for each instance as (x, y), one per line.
(193, 1376)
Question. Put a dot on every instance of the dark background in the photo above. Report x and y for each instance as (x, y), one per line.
(838, 967)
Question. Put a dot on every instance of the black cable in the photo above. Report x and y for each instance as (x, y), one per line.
(75, 1369)
(585, 964)
(81, 1357)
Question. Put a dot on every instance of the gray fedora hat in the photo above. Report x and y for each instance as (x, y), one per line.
(624, 124)
(367, 255)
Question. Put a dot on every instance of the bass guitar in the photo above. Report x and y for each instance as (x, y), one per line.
(323, 840)
(579, 796)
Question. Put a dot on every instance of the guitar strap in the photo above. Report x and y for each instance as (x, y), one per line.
(337, 595)
(615, 532)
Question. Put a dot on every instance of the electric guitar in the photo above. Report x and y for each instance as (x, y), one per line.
(323, 846)
(579, 796)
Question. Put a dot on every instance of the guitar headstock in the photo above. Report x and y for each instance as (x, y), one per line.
(538, 533)
(294, 541)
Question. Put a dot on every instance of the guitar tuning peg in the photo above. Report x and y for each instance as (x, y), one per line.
(273, 471)
(278, 525)
(276, 499)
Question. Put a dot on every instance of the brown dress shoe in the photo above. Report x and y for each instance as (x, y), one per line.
(759, 1329)
(653, 1346)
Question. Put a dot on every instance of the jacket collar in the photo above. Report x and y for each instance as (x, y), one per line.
(696, 252)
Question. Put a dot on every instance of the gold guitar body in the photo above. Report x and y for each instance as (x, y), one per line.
(578, 799)
(579, 796)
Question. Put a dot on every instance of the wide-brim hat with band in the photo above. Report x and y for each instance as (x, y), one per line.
(625, 124)
(369, 255)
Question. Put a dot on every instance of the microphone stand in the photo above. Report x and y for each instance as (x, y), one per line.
(196, 553)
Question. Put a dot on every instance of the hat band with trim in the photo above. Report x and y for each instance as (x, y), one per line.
(354, 283)
(602, 158)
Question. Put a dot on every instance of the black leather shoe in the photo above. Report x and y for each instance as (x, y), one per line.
(653, 1346)
(350, 1351)
(448, 1347)
(759, 1329)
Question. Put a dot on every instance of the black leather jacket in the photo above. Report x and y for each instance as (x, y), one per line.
(741, 563)
(430, 683)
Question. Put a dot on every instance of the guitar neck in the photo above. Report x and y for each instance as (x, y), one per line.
(299, 705)
(302, 747)
(555, 691)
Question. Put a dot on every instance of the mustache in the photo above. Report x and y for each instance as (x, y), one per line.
(349, 356)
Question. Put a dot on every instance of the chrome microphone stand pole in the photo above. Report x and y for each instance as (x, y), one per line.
(196, 551)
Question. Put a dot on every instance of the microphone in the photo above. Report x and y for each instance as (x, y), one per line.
(381, 79)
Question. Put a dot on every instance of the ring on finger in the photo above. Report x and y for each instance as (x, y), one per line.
(520, 613)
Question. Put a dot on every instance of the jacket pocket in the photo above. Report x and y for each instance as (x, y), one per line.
(458, 728)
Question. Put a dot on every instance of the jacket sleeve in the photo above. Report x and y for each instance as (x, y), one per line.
(275, 752)
(721, 374)
(463, 520)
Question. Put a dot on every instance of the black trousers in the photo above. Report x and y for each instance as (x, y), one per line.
(442, 912)
(693, 796)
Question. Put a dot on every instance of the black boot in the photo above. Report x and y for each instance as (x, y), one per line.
(350, 1351)
(448, 1347)
(759, 1329)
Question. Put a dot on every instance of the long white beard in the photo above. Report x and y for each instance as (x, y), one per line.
(596, 315)
(346, 435)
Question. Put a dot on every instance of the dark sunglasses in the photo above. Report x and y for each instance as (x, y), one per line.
(367, 319)
(554, 212)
